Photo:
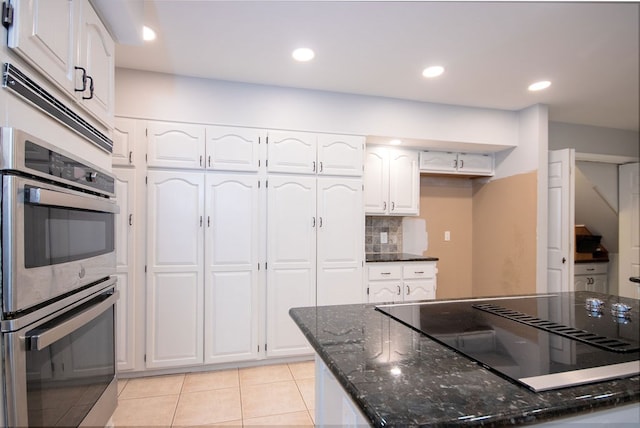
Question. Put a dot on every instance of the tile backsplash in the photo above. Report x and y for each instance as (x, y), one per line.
(374, 226)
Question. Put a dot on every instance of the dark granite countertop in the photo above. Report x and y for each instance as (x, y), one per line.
(397, 257)
(436, 386)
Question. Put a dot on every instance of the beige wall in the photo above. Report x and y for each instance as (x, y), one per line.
(504, 236)
(446, 204)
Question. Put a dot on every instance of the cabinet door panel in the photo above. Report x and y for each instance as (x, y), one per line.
(419, 290)
(97, 51)
(286, 289)
(233, 149)
(293, 152)
(231, 317)
(475, 163)
(175, 202)
(376, 181)
(385, 291)
(44, 34)
(433, 161)
(175, 145)
(125, 198)
(340, 155)
(174, 319)
(291, 259)
(404, 183)
(340, 241)
(231, 257)
(124, 135)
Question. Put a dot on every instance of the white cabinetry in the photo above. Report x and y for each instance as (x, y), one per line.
(591, 277)
(314, 251)
(66, 41)
(391, 182)
(202, 268)
(124, 141)
(291, 260)
(456, 163)
(401, 281)
(192, 146)
(96, 56)
(310, 153)
(125, 271)
(175, 286)
(231, 263)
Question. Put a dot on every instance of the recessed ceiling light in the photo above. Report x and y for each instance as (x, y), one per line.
(538, 86)
(148, 34)
(395, 142)
(433, 71)
(303, 54)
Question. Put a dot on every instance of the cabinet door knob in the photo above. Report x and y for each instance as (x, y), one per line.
(564, 260)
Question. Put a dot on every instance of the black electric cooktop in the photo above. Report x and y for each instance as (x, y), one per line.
(543, 342)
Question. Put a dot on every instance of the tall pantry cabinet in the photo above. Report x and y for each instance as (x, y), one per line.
(202, 244)
(314, 229)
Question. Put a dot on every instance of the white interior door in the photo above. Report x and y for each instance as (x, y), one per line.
(561, 228)
(629, 233)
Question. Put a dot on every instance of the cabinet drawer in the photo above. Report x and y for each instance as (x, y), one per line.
(590, 268)
(382, 271)
(419, 270)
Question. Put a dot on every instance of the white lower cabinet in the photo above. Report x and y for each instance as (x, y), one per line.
(401, 281)
(591, 277)
(314, 252)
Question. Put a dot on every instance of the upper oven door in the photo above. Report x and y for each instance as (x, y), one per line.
(55, 240)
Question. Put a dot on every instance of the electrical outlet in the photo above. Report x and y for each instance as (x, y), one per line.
(384, 237)
(447, 235)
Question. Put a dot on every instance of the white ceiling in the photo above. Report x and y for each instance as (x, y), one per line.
(491, 51)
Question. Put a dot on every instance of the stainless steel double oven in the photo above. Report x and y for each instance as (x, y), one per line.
(58, 286)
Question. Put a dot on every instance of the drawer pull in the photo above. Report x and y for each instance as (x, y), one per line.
(591, 269)
(399, 290)
(385, 273)
(419, 272)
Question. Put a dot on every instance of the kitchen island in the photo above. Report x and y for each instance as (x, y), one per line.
(392, 375)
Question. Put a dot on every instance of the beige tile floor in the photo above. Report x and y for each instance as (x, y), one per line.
(268, 395)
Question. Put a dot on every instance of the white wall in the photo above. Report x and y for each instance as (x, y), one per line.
(594, 139)
(168, 97)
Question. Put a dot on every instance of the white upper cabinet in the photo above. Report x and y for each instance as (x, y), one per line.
(293, 152)
(340, 155)
(124, 137)
(404, 183)
(310, 153)
(66, 42)
(479, 164)
(233, 149)
(97, 59)
(44, 33)
(175, 145)
(391, 182)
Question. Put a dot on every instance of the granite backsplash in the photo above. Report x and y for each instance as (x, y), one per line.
(374, 225)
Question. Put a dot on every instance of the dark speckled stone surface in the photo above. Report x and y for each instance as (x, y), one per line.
(397, 257)
(436, 386)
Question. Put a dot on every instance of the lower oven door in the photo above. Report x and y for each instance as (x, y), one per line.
(60, 371)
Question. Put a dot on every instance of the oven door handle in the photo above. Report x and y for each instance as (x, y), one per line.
(40, 196)
(45, 338)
